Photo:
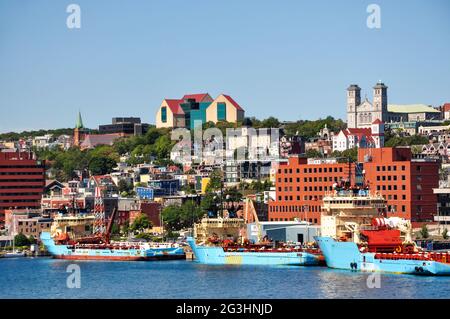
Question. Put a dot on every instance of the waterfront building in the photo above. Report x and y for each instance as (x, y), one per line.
(443, 204)
(33, 226)
(190, 108)
(301, 184)
(22, 180)
(406, 183)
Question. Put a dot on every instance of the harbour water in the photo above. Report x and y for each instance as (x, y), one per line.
(47, 278)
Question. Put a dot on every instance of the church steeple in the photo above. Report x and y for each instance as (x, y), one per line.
(79, 123)
(79, 131)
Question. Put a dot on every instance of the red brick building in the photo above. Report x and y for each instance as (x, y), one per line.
(406, 183)
(22, 180)
(301, 184)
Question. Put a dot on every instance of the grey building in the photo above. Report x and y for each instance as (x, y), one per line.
(290, 231)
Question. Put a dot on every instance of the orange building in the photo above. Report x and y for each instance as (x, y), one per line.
(406, 183)
(301, 184)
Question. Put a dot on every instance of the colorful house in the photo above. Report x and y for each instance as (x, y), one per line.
(194, 108)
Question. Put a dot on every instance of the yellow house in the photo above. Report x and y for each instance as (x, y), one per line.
(170, 114)
(224, 108)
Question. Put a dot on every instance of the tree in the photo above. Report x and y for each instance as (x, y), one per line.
(126, 227)
(351, 154)
(270, 122)
(445, 233)
(424, 231)
(312, 153)
(177, 217)
(21, 240)
(215, 181)
(101, 165)
(31, 240)
(141, 223)
(124, 186)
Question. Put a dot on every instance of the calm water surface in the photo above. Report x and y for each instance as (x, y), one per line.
(46, 278)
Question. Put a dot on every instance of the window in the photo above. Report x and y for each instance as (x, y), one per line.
(221, 111)
(164, 114)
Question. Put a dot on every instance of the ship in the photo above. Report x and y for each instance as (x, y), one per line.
(221, 242)
(356, 236)
(114, 251)
(98, 245)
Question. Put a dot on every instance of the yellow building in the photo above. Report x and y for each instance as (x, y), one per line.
(224, 108)
(198, 107)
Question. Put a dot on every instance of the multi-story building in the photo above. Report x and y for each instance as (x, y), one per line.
(187, 111)
(22, 180)
(406, 183)
(301, 184)
(124, 125)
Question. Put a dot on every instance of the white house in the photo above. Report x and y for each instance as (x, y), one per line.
(372, 137)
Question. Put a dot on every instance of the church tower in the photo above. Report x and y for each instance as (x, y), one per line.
(380, 110)
(353, 100)
(79, 131)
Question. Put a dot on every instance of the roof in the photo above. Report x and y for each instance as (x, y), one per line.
(411, 108)
(197, 97)
(79, 123)
(446, 107)
(92, 140)
(174, 105)
(377, 121)
(235, 104)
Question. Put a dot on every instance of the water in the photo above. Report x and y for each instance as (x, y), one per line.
(46, 278)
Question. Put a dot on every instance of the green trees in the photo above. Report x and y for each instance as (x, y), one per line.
(177, 217)
(309, 129)
(394, 141)
(125, 188)
(21, 240)
(424, 231)
(351, 154)
(101, 165)
(445, 234)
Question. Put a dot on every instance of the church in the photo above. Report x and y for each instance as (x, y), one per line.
(363, 114)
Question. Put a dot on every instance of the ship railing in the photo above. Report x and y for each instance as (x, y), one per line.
(351, 193)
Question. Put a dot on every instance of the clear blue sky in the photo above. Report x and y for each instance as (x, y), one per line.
(290, 59)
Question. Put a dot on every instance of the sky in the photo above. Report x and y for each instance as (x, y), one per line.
(288, 59)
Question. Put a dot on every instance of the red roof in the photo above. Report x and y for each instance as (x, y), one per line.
(446, 107)
(92, 140)
(358, 131)
(174, 106)
(377, 121)
(229, 98)
(197, 97)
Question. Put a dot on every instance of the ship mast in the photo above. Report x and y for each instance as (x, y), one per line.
(99, 213)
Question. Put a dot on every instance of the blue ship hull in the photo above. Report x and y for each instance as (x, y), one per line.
(346, 255)
(128, 254)
(217, 256)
